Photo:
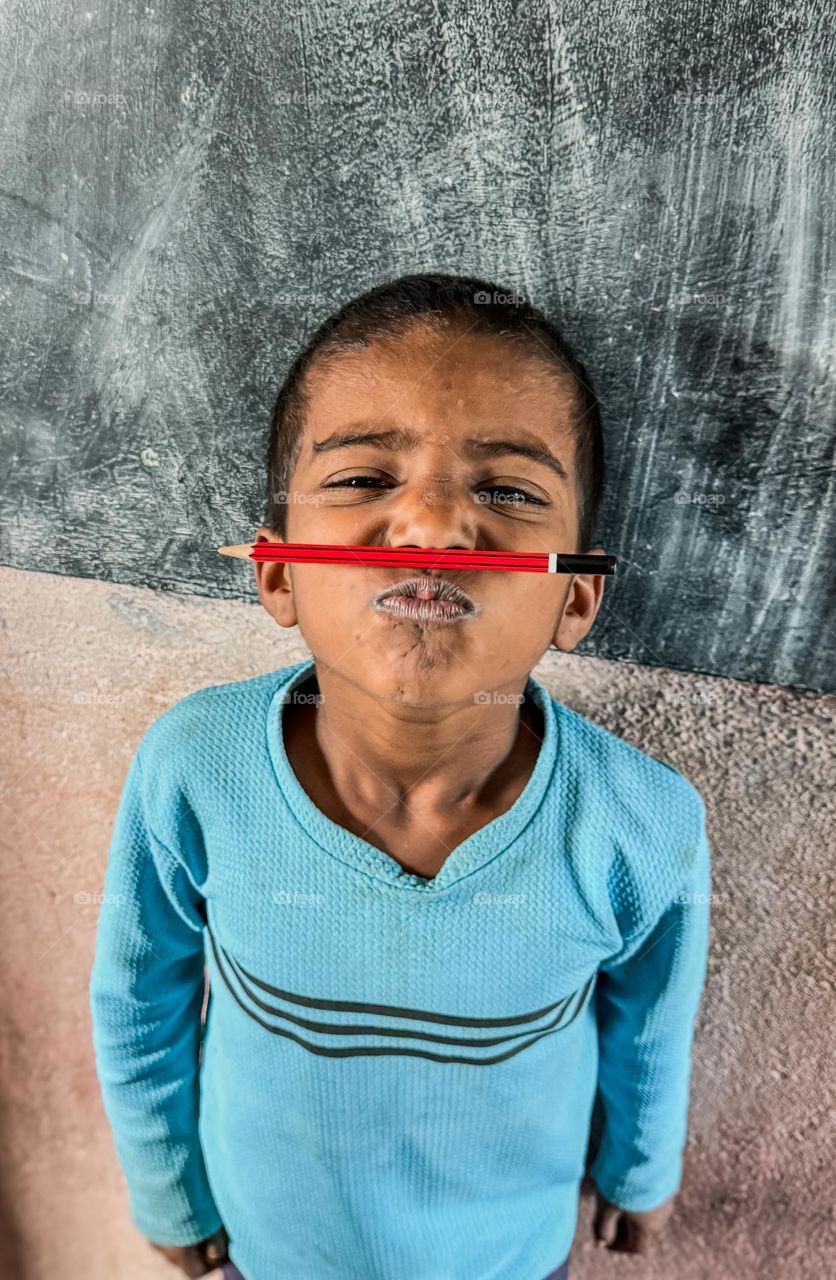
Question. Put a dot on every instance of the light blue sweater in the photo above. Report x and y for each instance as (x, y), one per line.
(396, 1076)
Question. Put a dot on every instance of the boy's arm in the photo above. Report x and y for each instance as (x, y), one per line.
(646, 1003)
(146, 993)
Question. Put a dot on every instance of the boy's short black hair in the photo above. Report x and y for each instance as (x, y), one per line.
(436, 299)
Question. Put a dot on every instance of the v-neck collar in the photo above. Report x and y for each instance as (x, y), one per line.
(474, 852)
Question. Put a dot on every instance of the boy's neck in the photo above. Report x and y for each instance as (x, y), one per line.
(468, 762)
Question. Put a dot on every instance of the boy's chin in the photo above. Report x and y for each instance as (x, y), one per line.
(426, 669)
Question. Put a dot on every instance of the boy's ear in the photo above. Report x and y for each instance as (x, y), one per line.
(275, 586)
(583, 601)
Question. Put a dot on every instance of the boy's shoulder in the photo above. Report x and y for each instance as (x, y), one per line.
(217, 720)
(646, 813)
(625, 775)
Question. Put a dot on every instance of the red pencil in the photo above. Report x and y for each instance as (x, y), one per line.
(421, 557)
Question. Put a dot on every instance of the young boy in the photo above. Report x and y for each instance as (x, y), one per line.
(436, 907)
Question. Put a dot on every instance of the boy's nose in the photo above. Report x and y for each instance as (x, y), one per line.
(435, 514)
(434, 488)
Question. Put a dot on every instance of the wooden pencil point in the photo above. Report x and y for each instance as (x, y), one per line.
(241, 551)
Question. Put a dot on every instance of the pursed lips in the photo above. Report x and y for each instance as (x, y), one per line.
(426, 598)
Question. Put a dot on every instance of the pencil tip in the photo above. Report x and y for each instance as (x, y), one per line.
(240, 552)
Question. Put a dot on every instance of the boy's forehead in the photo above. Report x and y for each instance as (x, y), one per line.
(472, 381)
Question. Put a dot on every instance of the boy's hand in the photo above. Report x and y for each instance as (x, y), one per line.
(626, 1231)
(197, 1259)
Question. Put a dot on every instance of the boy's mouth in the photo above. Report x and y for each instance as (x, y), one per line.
(426, 599)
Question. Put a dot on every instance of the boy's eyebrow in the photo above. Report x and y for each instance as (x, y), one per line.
(402, 440)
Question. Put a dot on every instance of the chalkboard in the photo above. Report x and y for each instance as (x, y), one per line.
(186, 189)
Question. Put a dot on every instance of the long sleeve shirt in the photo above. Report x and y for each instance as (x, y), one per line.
(395, 1075)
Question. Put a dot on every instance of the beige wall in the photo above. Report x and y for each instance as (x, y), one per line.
(88, 665)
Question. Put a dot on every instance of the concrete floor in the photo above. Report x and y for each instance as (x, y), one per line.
(89, 665)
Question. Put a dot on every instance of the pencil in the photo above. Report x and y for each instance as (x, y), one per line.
(420, 557)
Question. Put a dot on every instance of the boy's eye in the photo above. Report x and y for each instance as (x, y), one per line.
(351, 480)
(512, 488)
(365, 481)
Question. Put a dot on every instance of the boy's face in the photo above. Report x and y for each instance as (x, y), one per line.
(451, 392)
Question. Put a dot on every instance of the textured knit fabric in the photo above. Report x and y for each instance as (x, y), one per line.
(396, 1075)
(230, 1272)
